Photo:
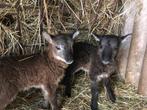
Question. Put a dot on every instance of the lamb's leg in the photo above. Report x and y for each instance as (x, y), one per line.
(109, 90)
(68, 78)
(50, 96)
(95, 94)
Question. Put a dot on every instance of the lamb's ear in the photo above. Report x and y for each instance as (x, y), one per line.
(75, 34)
(123, 38)
(47, 37)
(95, 37)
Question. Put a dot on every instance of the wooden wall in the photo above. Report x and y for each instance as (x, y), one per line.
(133, 60)
(142, 89)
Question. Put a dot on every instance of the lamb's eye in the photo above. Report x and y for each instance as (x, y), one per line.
(58, 48)
(100, 46)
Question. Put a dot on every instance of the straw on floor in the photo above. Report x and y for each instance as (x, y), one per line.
(21, 35)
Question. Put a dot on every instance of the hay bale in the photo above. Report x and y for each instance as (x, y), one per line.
(101, 16)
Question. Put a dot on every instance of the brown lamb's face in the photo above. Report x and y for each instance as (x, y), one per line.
(63, 46)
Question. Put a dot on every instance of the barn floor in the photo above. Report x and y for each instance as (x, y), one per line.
(127, 99)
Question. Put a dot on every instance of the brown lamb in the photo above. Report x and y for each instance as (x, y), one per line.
(42, 71)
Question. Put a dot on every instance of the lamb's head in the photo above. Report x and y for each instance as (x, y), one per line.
(62, 45)
(108, 47)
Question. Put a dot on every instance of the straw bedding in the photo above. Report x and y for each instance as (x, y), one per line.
(22, 21)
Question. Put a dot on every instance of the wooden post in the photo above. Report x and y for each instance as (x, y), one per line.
(129, 13)
(138, 45)
(142, 89)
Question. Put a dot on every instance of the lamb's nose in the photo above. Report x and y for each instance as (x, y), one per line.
(69, 62)
(105, 62)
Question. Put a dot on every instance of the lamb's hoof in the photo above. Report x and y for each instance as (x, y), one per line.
(112, 97)
(68, 94)
(94, 107)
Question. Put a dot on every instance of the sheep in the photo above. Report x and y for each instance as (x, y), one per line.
(43, 71)
(99, 61)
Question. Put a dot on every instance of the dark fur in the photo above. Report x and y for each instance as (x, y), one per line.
(90, 58)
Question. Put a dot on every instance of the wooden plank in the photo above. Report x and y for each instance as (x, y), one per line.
(142, 89)
(127, 28)
(138, 45)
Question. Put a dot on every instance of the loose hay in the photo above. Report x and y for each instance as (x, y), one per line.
(127, 99)
(23, 28)
(101, 16)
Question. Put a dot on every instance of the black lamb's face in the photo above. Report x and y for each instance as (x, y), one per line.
(108, 47)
